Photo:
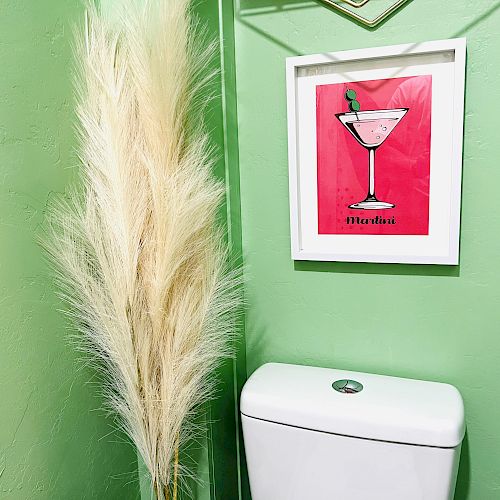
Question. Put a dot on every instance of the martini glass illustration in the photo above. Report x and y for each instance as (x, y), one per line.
(371, 129)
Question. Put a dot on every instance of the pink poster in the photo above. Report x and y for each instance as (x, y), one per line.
(373, 156)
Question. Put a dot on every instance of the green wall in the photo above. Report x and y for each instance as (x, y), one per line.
(428, 322)
(54, 442)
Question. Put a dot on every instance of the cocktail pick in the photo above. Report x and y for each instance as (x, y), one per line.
(350, 97)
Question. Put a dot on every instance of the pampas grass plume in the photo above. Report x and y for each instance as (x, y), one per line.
(140, 258)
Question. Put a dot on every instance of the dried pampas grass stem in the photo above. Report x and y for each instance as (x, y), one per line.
(140, 258)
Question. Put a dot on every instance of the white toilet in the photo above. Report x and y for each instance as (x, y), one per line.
(321, 434)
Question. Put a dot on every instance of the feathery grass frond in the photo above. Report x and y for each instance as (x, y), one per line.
(141, 260)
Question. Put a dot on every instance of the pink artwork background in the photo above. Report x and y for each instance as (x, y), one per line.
(402, 162)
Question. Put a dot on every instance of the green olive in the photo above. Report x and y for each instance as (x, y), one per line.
(354, 106)
(350, 95)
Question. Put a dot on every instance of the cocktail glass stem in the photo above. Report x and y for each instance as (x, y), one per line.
(371, 173)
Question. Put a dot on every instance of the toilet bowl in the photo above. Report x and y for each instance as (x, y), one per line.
(322, 434)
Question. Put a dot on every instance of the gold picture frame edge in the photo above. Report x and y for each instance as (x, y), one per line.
(371, 23)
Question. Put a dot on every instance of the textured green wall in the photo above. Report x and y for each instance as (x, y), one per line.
(54, 444)
(424, 322)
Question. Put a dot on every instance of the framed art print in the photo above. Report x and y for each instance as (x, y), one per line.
(375, 153)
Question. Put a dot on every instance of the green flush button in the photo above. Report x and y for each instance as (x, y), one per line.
(347, 386)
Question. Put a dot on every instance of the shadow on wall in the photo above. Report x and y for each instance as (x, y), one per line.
(257, 343)
(256, 7)
(376, 268)
(463, 481)
(248, 8)
(251, 8)
(487, 13)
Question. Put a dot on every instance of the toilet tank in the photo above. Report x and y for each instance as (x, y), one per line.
(322, 434)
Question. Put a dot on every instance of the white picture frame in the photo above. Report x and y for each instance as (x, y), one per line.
(445, 61)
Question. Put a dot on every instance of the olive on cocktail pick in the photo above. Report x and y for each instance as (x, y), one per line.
(354, 106)
(350, 95)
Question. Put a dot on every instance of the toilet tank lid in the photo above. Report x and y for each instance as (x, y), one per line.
(386, 409)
